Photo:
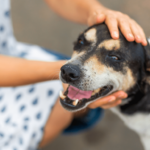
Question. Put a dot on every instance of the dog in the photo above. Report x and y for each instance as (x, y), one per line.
(100, 66)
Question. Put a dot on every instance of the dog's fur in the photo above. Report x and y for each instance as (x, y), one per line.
(119, 64)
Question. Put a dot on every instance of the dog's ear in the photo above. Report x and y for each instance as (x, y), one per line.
(147, 55)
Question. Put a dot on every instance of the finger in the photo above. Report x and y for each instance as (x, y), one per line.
(120, 95)
(124, 26)
(136, 33)
(111, 105)
(143, 36)
(112, 24)
(102, 101)
(108, 99)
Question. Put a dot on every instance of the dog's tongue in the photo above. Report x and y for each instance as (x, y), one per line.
(74, 93)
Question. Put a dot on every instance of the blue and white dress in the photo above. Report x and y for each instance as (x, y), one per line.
(24, 110)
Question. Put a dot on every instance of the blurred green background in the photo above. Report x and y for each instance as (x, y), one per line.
(35, 23)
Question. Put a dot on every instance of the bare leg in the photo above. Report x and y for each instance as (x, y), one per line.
(58, 120)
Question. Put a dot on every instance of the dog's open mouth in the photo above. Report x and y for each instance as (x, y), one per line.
(74, 99)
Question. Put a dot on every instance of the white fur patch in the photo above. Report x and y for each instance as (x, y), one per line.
(139, 122)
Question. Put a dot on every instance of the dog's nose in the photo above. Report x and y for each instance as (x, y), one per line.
(70, 72)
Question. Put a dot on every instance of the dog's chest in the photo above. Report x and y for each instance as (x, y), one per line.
(138, 122)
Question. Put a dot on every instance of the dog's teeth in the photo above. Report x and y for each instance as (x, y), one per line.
(93, 93)
(96, 91)
(75, 102)
(62, 96)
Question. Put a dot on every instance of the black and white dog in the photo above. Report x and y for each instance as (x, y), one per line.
(100, 66)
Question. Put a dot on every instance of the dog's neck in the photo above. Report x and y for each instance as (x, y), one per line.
(138, 99)
(132, 102)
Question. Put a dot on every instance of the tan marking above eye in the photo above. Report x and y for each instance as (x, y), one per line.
(110, 44)
(90, 35)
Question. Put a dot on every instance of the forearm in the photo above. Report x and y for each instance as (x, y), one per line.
(74, 10)
(16, 71)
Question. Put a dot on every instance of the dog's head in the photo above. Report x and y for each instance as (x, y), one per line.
(100, 66)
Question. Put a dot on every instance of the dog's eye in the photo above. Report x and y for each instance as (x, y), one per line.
(81, 41)
(114, 57)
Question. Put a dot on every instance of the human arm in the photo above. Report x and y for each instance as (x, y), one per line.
(17, 71)
(92, 12)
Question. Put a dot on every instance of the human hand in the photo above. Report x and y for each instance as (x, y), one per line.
(114, 19)
(109, 101)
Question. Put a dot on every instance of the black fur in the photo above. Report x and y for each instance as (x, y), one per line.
(140, 94)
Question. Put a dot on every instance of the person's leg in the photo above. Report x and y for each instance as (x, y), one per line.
(58, 120)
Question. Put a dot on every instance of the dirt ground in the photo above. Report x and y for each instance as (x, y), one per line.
(35, 23)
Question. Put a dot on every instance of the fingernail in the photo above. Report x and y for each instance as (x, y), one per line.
(125, 96)
(138, 36)
(122, 96)
(119, 102)
(115, 34)
(130, 35)
(112, 99)
(145, 42)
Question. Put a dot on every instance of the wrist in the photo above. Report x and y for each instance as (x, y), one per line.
(54, 69)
